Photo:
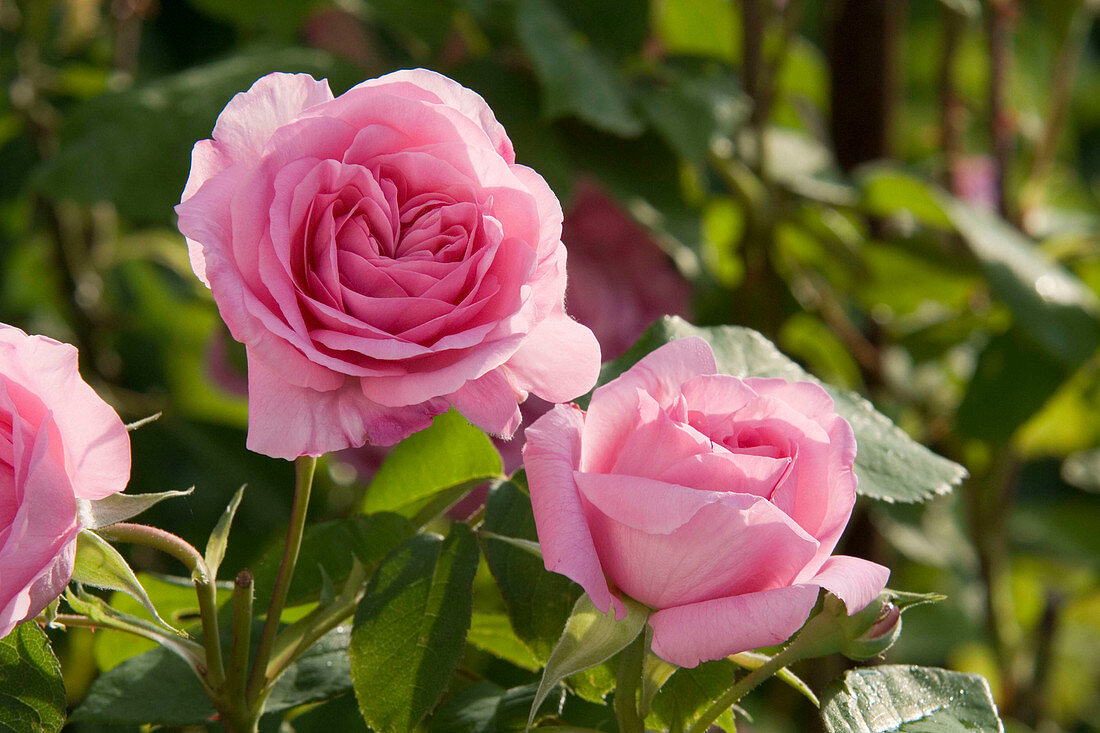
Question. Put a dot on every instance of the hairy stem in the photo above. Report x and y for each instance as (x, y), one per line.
(170, 544)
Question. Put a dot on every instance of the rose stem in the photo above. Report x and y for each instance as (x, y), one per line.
(626, 685)
(304, 468)
(178, 548)
(788, 656)
(237, 672)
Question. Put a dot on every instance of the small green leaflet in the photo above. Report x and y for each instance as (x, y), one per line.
(32, 695)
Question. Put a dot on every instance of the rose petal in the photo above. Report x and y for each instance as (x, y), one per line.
(661, 374)
(490, 402)
(36, 559)
(249, 120)
(96, 443)
(452, 94)
(699, 632)
(551, 454)
(287, 421)
(853, 580)
(669, 545)
(559, 360)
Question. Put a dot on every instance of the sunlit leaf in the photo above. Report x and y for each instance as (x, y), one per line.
(909, 700)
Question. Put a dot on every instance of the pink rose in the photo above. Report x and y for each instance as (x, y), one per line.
(59, 442)
(715, 501)
(382, 258)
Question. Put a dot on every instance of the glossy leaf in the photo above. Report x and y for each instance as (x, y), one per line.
(410, 628)
(890, 465)
(909, 700)
(32, 695)
(486, 707)
(590, 638)
(461, 457)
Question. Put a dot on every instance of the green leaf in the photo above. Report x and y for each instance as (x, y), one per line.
(329, 548)
(911, 699)
(690, 691)
(120, 507)
(492, 632)
(538, 601)
(1051, 305)
(486, 707)
(32, 695)
(159, 688)
(890, 465)
(219, 538)
(410, 628)
(1009, 364)
(699, 28)
(461, 457)
(693, 108)
(590, 638)
(133, 147)
(174, 598)
(576, 78)
(101, 566)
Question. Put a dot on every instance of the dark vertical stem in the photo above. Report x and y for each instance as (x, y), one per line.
(999, 18)
(863, 64)
(951, 105)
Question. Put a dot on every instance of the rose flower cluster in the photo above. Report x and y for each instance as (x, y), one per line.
(383, 258)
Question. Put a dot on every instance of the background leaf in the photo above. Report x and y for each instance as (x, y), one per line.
(32, 695)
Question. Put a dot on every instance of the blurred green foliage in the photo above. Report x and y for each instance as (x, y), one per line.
(953, 281)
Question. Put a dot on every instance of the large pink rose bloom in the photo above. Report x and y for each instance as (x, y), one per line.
(715, 501)
(59, 443)
(382, 257)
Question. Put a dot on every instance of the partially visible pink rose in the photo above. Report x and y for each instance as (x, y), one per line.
(59, 442)
(715, 501)
(620, 280)
(382, 257)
